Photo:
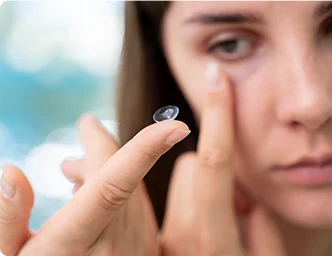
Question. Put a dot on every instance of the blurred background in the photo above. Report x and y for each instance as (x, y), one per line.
(57, 61)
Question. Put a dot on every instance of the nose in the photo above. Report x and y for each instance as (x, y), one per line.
(305, 98)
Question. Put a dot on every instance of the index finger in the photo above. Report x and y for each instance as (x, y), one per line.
(88, 213)
(216, 139)
(214, 178)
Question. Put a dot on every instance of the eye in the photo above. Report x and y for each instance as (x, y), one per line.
(232, 49)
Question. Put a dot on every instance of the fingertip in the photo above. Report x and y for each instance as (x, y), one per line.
(22, 186)
(16, 176)
(68, 163)
(73, 170)
(89, 124)
(87, 118)
(181, 125)
(14, 214)
(161, 134)
(173, 125)
(86, 122)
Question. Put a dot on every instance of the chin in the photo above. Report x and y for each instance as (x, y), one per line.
(309, 207)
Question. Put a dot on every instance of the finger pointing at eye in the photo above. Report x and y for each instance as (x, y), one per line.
(214, 174)
(215, 146)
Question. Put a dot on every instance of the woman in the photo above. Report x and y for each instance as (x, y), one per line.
(253, 80)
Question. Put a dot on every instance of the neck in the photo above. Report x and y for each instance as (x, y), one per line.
(305, 241)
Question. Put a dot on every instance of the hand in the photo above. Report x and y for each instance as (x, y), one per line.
(96, 214)
(201, 217)
(15, 210)
(133, 230)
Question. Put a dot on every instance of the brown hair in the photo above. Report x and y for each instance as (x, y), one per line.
(145, 84)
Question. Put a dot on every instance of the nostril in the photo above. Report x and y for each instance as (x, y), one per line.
(310, 124)
(295, 124)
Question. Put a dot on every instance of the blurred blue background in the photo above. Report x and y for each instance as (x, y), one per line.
(57, 61)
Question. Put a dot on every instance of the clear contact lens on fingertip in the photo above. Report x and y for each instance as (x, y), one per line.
(169, 112)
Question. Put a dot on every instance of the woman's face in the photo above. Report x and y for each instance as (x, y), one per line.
(278, 56)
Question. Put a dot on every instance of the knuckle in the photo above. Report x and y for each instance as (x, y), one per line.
(112, 196)
(211, 158)
(146, 153)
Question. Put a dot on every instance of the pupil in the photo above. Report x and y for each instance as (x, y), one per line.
(229, 46)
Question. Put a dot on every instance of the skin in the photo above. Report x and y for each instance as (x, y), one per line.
(288, 84)
(280, 72)
(112, 205)
(207, 220)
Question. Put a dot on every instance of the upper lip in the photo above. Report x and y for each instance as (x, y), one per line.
(309, 161)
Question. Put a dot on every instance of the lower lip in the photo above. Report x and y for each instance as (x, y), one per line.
(311, 175)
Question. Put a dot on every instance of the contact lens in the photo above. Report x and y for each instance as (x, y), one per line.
(166, 113)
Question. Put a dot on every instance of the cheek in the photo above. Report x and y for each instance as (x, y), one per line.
(250, 88)
(254, 119)
(188, 73)
(254, 110)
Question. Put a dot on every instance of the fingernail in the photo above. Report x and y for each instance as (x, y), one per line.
(7, 188)
(213, 77)
(176, 136)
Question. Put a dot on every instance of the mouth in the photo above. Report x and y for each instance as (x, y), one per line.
(308, 170)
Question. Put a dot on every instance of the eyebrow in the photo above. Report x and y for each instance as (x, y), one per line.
(206, 18)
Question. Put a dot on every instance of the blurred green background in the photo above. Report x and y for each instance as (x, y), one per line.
(57, 61)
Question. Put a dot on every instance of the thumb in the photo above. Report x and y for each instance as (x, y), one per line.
(16, 202)
(263, 235)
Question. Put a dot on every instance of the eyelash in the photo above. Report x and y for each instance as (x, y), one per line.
(218, 48)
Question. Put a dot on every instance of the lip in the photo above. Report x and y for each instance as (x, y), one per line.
(308, 170)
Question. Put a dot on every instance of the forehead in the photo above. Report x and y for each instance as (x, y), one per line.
(185, 9)
(221, 5)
